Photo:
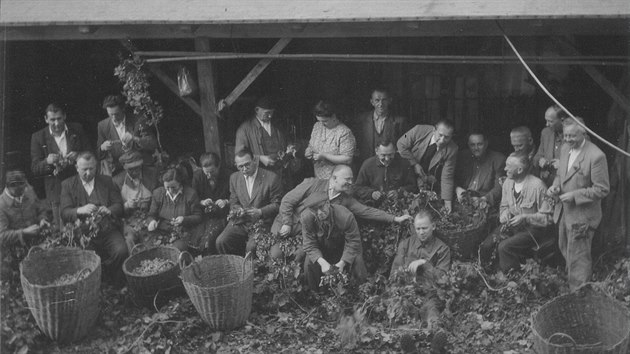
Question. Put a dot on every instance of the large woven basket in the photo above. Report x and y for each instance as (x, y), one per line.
(65, 313)
(582, 322)
(145, 287)
(221, 289)
(464, 243)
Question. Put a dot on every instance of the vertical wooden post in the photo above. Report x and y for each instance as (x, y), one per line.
(3, 97)
(207, 94)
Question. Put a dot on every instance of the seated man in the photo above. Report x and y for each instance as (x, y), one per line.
(422, 250)
(382, 175)
(478, 170)
(21, 216)
(432, 153)
(524, 215)
(255, 193)
(136, 184)
(86, 194)
(212, 185)
(336, 189)
(330, 236)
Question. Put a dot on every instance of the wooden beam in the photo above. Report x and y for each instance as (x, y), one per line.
(172, 85)
(3, 82)
(256, 70)
(598, 77)
(207, 94)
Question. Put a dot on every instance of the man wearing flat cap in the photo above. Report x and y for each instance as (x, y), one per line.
(136, 184)
(262, 137)
(21, 214)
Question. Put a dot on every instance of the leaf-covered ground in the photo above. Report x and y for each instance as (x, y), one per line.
(478, 313)
(469, 310)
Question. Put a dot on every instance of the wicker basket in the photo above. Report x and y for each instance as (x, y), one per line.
(221, 289)
(464, 244)
(65, 313)
(145, 287)
(582, 322)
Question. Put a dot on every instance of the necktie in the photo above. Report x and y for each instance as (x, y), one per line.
(425, 161)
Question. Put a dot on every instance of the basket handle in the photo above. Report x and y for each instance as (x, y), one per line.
(563, 335)
(83, 271)
(34, 249)
(138, 248)
(248, 257)
(181, 261)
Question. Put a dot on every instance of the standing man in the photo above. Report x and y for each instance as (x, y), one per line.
(432, 153)
(581, 184)
(548, 155)
(255, 194)
(86, 194)
(263, 138)
(522, 141)
(479, 169)
(120, 133)
(331, 238)
(377, 124)
(383, 174)
(53, 153)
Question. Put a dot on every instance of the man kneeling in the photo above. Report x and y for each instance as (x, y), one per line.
(331, 236)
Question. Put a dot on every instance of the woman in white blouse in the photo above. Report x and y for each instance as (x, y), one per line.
(332, 142)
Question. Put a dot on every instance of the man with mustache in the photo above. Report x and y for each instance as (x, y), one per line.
(580, 185)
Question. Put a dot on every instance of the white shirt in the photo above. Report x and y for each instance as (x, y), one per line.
(61, 141)
(249, 182)
(573, 154)
(16, 199)
(173, 197)
(266, 125)
(379, 122)
(120, 128)
(88, 186)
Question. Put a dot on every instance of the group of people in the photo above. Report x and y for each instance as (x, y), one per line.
(561, 182)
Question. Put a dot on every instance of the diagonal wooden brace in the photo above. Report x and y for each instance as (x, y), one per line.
(253, 74)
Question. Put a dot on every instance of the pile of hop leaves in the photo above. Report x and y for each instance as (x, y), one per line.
(153, 266)
(80, 233)
(67, 279)
(380, 240)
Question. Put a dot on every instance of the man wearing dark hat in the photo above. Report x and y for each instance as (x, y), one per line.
(136, 184)
(53, 153)
(21, 213)
(331, 238)
(261, 137)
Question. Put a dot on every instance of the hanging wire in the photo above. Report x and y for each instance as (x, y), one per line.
(625, 153)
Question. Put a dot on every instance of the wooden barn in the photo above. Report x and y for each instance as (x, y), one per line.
(440, 59)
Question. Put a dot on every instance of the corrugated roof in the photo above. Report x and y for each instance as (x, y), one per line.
(104, 12)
